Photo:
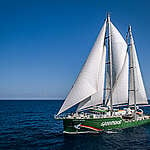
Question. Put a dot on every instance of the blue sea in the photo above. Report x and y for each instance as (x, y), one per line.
(30, 125)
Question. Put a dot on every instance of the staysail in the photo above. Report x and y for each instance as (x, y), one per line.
(119, 67)
(136, 81)
(87, 82)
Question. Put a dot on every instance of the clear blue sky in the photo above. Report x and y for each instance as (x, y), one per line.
(44, 43)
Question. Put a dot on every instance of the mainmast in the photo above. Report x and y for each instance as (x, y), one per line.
(132, 66)
(110, 60)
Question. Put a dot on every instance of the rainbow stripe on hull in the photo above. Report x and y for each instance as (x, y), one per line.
(101, 124)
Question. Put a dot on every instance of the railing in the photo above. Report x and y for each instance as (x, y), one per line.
(84, 116)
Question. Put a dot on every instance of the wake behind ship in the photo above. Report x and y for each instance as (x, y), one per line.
(110, 77)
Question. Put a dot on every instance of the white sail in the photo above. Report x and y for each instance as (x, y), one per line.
(83, 103)
(136, 82)
(96, 98)
(88, 79)
(120, 89)
(119, 67)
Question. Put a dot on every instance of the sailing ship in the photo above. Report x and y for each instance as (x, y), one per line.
(110, 77)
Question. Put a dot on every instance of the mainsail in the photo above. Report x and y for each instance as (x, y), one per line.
(87, 82)
(136, 82)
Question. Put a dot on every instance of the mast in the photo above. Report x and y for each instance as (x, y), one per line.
(132, 66)
(110, 60)
(127, 41)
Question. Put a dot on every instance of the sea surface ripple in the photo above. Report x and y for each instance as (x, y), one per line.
(30, 125)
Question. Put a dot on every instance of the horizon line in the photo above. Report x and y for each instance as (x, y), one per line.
(31, 98)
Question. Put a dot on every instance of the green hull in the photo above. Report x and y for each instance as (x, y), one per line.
(100, 124)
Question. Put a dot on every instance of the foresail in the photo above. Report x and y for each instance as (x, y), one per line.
(88, 79)
(96, 98)
(119, 67)
(136, 78)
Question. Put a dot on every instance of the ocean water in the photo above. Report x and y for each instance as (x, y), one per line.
(29, 125)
